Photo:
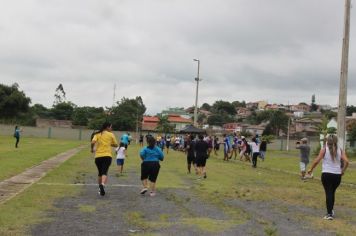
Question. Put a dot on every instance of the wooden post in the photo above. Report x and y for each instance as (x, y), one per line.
(341, 117)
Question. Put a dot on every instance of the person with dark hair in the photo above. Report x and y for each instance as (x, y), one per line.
(335, 163)
(216, 145)
(120, 157)
(17, 135)
(255, 151)
(263, 149)
(190, 150)
(226, 147)
(150, 156)
(234, 146)
(102, 144)
(141, 140)
(168, 143)
(201, 152)
(304, 156)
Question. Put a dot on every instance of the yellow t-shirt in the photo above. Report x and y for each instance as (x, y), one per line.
(104, 142)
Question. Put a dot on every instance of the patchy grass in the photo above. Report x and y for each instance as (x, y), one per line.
(208, 224)
(30, 206)
(31, 152)
(87, 208)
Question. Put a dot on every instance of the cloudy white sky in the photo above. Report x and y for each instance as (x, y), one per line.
(276, 50)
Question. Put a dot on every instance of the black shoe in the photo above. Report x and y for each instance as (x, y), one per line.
(205, 176)
(101, 190)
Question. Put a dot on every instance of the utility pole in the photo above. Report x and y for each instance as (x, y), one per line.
(288, 133)
(341, 117)
(196, 95)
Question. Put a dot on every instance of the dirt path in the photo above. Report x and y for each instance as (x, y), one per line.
(16, 184)
(122, 211)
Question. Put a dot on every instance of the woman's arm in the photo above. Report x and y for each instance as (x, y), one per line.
(346, 162)
(317, 160)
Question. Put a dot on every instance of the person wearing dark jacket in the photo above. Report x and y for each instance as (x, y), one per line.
(201, 152)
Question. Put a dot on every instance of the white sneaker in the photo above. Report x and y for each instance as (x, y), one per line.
(143, 191)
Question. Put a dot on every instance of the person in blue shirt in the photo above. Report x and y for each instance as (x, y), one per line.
(125, 140)
(151, 156)
(17, 135)
(226, 147)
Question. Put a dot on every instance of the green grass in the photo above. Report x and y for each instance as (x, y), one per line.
(30, 206)
(226, 181)
(31, 152)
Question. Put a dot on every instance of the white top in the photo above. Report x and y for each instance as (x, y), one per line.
(120, 153)
(255, 147)
(330, 166)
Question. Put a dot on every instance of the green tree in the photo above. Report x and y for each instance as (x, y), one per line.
(127, 114)
(351, 131)
(223, 107)
(205, 106)
(239, 104)
(82, 115)
(63, 111)
(164, 125)
(350, 110)
(12, 101)
(38, 110)
(60, 95)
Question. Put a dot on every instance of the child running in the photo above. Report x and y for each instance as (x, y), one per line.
(150, 156)
(120, 157)
(255, 151)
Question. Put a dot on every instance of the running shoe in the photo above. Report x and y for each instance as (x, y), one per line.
(143, 191)
(101, 190)
(328, 217)
(205, 176)
(152, 194)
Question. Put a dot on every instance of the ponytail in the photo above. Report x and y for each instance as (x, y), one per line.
(332, 145)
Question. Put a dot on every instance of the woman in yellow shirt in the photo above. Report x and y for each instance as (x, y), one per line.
(103, 141)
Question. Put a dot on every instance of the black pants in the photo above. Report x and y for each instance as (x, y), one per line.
(254, 158)
(17, 141)
(330, 182)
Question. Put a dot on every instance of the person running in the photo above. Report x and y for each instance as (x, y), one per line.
(245, 150)
(120, 157)
(255, 151)
(235, 145)
(201, 152)
(141, 140)
(210, 144)
(263, 149)
(226, 147)
(216, 145)
(150, 156)
(102, 144)
(335, 163)
(190, 150)
(168, 143)
(125, 140)
(304, 156)
(17, 135)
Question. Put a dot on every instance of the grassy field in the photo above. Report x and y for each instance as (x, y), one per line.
(275, 179)
(31, 151)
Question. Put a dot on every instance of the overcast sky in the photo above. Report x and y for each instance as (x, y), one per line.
(274, 50)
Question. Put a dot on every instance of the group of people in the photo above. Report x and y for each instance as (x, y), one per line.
(102, 143)
(334, 159)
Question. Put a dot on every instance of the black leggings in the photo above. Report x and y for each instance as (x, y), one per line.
(330, 182)
(17, 141)
(254, 158)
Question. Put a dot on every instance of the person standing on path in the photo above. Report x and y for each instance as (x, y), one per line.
(102, 144)
(335, 163)
(120, 157)
(201, 152)
(17, 135)
(226, 147)
(150, 156)
(304, 156)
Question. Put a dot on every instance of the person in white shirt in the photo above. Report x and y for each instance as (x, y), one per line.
(120, 157)
(255, 151)
(335, 163)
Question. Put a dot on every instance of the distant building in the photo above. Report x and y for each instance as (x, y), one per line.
(150, 123)
(234, 127)
(307, 125)
(255, 129)
(176, 111)
(300, 107)
(262, 105)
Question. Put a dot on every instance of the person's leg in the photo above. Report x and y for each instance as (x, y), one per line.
(17, 142)
(144, 177)
(325, 179)
(154, 171)
(335, 182)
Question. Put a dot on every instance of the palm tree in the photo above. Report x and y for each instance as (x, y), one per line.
(164, 124)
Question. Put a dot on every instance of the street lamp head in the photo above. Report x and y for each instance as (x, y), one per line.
(195, 60)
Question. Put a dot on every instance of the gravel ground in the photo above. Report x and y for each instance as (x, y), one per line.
(122, 211)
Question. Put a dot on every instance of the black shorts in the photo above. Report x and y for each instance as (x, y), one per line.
(168, 144)
(216, 147)
(190, 159)
(103, 164)
(201, 161)
(150, 170)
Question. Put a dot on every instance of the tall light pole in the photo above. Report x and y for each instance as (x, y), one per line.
(196, 95)
(343, 78)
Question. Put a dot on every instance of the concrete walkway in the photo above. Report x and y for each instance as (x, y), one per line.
(9, 188)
